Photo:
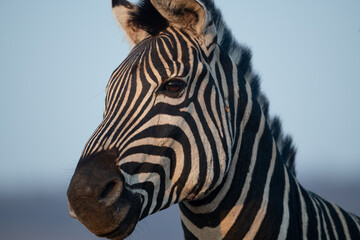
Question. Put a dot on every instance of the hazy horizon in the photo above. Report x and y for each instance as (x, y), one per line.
(41, 215)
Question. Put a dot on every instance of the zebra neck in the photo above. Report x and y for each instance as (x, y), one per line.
(255, 196)
(259, 197)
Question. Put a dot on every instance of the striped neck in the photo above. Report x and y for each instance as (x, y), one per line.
(255, 195)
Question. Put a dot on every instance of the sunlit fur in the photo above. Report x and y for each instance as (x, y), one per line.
(183, 138)
(209, 148)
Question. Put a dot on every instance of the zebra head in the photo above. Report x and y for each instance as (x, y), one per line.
(169, 120)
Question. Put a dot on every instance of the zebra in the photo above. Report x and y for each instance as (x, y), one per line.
(185, 122)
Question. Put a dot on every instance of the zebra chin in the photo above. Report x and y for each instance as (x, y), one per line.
(98, 199)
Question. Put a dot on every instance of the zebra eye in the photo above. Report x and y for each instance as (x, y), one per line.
(174, 86)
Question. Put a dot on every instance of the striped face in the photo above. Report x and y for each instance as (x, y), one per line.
(165, 118)
(166, 135)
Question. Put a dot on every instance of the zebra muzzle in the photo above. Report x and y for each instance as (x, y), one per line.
(98, 199)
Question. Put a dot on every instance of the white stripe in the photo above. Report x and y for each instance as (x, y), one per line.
(141, 110)
(124, 86)
(304, 216)
(235, 88)
(179, 51)
(264, 204)
(215, 127)
(331, 221)
(285, 218)
(356, 221)
(220, 231)
(210, 207)
(215, 112)
(89, 148)
(142, 192)
(126, 112)
(342, 219)
(134, 179)
(318, 201)
(167, 69)
(231, 217)
(206, 144)
(317, 216)
(163, 119)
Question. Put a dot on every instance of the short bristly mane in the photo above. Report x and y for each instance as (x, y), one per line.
(242, 56)
(150, 20)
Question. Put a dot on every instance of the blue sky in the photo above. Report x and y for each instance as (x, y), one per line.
(57, 56)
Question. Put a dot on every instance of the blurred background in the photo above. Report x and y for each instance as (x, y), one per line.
(57, 56)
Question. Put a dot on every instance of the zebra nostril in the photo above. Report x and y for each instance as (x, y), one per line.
(111, 192)
(107, 190)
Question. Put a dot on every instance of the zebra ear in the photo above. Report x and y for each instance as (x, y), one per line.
(183, 13)
(124, 11)
(150, 17)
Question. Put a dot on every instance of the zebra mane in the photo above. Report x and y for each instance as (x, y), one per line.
(242, 56)
(149, 19)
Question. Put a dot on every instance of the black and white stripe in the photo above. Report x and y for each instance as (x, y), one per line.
(211, 147)
(150, 129)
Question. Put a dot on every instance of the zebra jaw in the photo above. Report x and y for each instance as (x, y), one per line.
(99, 200)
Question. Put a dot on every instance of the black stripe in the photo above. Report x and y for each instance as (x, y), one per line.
(270, 226)
(295, 228)
(255, 195)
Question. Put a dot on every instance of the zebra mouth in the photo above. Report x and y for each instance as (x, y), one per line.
(118, 233)
(120, 221)
(128, 224)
